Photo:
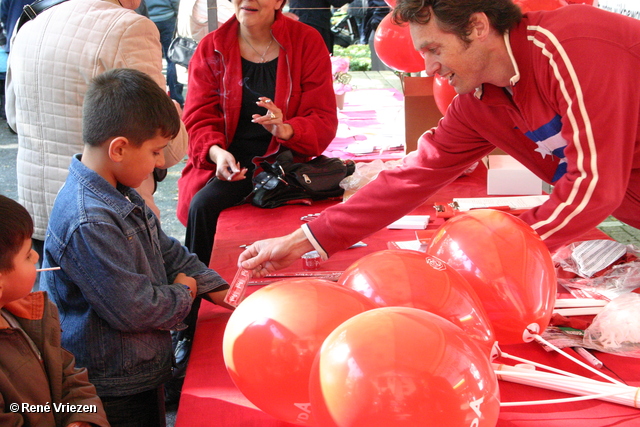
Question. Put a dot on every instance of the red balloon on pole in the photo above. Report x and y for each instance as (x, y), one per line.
(415, 279)
(273, 337)
(403, 367)
(532, 5)
(394, 47)
(508, 266)
(443, 93)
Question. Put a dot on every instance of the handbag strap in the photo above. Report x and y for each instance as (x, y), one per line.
(32, 10)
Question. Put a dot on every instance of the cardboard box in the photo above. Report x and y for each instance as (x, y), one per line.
(507, 176)
(420, 110)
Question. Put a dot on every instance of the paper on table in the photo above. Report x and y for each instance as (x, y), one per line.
(410, 222)
(515, 202)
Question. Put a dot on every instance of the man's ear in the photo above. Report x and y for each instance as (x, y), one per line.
(118, 147)
(479, 26)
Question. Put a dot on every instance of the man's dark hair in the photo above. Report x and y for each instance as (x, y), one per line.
(16, 226)
(453, 15)
(129, 103)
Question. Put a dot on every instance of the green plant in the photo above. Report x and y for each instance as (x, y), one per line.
(359, 56)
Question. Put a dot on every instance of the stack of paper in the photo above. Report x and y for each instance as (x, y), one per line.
(410, 222)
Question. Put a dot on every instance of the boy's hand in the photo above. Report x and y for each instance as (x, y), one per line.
(183, 279)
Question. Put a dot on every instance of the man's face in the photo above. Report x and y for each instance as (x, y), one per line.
(445, 54)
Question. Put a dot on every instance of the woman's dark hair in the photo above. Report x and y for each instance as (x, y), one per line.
(129, 103)
(16, 226)
(453, 16)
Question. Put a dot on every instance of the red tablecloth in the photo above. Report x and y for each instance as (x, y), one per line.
(209, 397)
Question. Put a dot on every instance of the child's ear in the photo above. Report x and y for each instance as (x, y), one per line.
(117, 148)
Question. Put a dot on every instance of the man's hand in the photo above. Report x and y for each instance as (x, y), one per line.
(266, 256)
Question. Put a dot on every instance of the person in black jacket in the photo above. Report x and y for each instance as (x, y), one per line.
(317, 13)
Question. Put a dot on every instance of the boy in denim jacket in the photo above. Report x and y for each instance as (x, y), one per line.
(39, 382)
(123, 284)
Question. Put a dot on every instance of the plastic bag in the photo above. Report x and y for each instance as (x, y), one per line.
(612, 281)
(365, 173)
(615, 328)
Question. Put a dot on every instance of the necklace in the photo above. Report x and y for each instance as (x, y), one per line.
(262, 56)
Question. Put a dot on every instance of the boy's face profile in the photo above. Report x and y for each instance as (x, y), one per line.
(17, 283)
(137, 162)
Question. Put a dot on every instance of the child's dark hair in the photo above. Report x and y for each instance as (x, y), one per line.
(16, 226)
(128, 103)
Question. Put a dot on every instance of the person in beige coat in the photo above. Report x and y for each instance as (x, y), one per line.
(53, 59)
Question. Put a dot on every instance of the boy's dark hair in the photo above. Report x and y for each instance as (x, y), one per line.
(16, 226)
(128, 103)
(454, 15)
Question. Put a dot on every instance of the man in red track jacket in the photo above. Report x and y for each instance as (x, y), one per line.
(557, 90)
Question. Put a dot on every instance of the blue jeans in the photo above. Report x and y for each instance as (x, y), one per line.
(167, 29)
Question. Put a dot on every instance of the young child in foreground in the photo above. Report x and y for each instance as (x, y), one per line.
(123, 283)
(39, 383)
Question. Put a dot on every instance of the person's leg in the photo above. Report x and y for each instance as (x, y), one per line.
(167, 30)
(205, 209)
(144, 409)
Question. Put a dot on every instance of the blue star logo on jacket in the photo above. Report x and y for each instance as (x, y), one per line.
(550, 142)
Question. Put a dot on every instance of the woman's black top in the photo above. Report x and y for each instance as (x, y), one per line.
(252, 139)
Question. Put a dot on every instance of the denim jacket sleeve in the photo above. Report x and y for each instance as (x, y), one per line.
(178, 259)
(123, 284)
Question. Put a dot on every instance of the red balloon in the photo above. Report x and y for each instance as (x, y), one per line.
(508, 266)
(391, 3)
(272, 339)
(414, 279)
(403, 367)
(531, 5)
(394, 47)
(443, 93)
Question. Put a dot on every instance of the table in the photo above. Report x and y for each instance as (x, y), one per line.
(209, 397)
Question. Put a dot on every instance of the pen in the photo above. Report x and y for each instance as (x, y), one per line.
(590, 358)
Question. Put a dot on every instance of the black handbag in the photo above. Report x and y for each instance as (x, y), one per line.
(285, 182)
(181, 50)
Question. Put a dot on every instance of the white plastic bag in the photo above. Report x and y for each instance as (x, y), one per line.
(365, 173)
(616, 328)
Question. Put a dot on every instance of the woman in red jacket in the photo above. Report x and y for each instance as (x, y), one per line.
(258, 85)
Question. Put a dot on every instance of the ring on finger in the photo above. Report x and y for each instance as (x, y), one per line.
(266, 101)
(271, 115)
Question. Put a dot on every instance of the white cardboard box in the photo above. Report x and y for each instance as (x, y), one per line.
(507, 176)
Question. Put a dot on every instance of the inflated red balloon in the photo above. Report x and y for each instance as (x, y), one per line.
(391, 3)
(394, 47)
(415, 279)
(272, 339)
(531, 5)
(443, 93)
(508, 266)
(404, 367)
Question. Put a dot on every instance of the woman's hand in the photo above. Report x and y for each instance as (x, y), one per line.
(272, 121)
(227, 167)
